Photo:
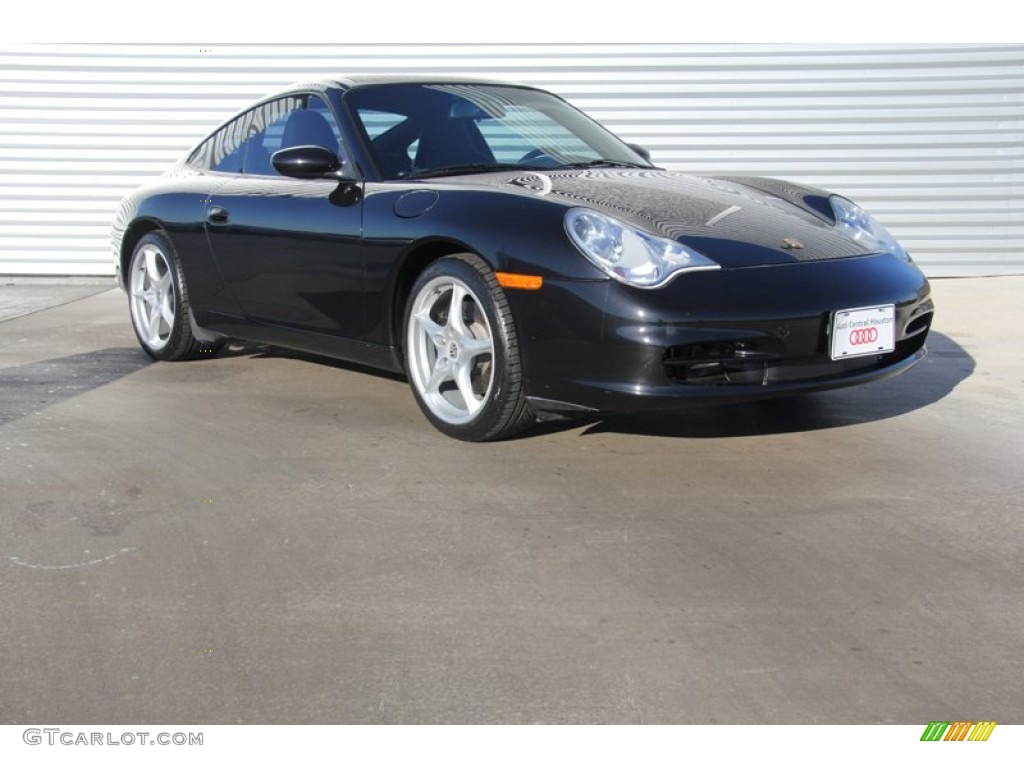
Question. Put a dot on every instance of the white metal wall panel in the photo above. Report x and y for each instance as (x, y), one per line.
(929, 137)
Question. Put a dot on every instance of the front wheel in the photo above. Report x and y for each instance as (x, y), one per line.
(462, 353)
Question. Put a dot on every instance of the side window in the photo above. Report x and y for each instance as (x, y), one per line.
(289, 122)
(246, 144)
(318, 105)
(223, 151)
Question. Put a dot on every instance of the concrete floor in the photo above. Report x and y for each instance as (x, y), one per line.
(19, 297)
(265, 538)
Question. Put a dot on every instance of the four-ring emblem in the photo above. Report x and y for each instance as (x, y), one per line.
(863, 336)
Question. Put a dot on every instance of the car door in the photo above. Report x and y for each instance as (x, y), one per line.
(290, 249)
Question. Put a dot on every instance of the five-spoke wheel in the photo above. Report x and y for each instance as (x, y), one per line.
(152, 297)
(158, 301)
(461, 354)
(451, 349)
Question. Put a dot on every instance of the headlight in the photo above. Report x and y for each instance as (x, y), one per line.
(629, 255)
(862, 228)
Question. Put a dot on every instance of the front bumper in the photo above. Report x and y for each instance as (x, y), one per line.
(727, 335)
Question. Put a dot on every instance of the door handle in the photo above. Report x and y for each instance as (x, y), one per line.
(217, 215)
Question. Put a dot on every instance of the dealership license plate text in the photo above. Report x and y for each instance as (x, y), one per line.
(863, 331)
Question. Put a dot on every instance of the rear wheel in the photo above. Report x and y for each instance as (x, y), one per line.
(158, 300)
(462, 353)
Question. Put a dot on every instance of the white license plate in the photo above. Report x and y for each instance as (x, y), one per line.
(863, 331)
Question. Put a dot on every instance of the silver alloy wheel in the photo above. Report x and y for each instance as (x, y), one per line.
(152, 296)
(450, 350)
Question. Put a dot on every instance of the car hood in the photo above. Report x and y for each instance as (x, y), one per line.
(736, 221)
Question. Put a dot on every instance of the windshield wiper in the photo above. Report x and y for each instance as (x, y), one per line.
(602, 162)
(455, 170)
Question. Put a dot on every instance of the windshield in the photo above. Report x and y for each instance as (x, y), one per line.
(435, 130)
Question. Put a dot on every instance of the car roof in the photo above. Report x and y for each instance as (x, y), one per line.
(354, 81)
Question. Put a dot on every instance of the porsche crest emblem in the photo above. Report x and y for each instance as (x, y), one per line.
(791, 244)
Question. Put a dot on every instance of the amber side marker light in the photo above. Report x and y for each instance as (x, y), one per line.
(522, 282)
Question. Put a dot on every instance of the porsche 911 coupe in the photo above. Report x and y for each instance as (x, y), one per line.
(510, 256)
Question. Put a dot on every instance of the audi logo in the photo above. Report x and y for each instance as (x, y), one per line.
(863, 336)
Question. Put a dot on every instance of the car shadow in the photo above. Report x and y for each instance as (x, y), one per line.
(265, 351)
(33, 387)
(946, 366)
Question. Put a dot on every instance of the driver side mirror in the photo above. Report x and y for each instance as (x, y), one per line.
(310, 162)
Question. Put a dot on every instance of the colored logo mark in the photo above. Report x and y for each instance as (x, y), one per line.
(958, 730)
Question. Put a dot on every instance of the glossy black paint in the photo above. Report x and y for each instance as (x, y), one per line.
(324, 265)
(611, 348)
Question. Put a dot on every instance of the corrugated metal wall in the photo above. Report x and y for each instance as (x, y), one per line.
(929, 137)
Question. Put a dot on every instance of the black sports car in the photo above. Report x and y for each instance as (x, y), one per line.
(511, 256)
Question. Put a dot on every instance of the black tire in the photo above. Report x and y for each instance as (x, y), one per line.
(495, 378)
(158, 302)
